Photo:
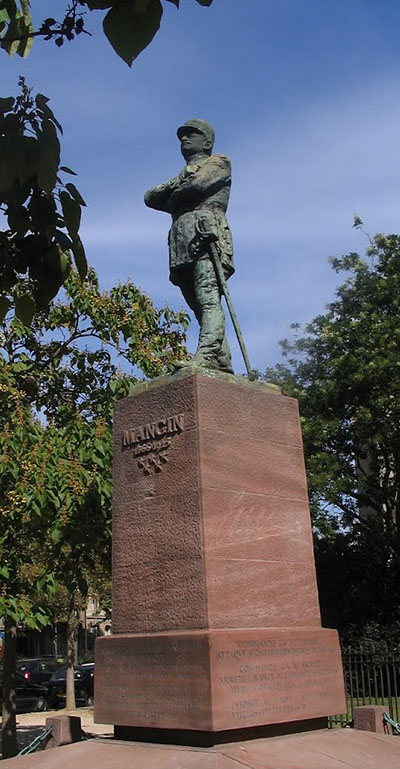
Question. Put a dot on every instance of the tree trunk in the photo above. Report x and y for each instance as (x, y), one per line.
(8, 726)
(70, 703)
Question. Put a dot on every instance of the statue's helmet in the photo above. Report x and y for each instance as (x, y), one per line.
(199, 125)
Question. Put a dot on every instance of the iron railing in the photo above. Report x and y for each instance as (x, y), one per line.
(370, 679)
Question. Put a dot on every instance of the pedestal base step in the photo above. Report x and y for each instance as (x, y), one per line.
(192, 738)
(218, 680)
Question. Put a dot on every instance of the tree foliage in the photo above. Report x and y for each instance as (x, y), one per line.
(66, 366)
(129, 25)
(25, 584)
(68, 360)
(55, 477)
(55, 471)
(345, 372)
(26, 461)
(42, 213)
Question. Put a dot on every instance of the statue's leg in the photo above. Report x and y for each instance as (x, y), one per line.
(184, 278)
(224, 357)
(211, 348)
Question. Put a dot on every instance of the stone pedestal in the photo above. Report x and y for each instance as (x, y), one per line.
(215, 609)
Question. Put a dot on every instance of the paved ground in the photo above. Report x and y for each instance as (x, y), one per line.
(324, 749)
(29, 725)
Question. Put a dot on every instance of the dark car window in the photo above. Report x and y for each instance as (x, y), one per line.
(58, 674)
(61, 673)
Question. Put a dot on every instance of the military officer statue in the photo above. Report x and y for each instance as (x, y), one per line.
(197, 200)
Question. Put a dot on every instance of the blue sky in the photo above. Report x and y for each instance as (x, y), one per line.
(304, 96)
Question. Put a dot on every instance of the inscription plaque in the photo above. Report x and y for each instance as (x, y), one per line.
(154, 680)
(282, 676)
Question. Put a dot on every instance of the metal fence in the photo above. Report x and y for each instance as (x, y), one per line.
(370, 679)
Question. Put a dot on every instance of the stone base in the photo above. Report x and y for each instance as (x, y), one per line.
(65, 730)
(193, 738)
(370, 719)
(217, 680)
(190, 737)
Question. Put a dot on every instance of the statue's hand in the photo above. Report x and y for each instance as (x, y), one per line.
(159, 197)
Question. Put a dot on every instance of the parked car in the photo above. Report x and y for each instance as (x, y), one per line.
(29, 696)
(38, 670)
(84, 680)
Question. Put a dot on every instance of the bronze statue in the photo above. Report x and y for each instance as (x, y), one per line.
(200, 241)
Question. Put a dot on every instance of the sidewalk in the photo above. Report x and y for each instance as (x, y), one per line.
(323, 749)
(30, 725)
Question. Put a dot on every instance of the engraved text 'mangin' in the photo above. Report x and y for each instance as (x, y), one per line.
(151, 442)
(152, 430)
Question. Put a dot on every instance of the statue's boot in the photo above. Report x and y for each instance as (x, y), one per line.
(205, 361)
(224, 357)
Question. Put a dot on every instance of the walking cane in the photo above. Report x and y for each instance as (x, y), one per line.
(205, 232)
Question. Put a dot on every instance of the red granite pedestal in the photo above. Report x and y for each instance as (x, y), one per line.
(215, 609)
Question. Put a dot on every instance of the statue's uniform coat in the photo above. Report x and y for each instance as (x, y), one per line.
(200, 192)
(201, 188)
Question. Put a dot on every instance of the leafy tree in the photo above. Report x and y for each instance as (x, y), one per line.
(68, 360)
(79, 494)
(42, 213)
(129, 25)
(25, 461)
(55, 477)
(345, 373)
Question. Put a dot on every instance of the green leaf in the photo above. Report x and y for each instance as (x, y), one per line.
(19, 220)
(43, 212)
(14, 614)
(67, 170)
(5, 305)
(41, 618)
(41, 103)
(58, 262)
(30, 622)
(19, 159)
(17, 36)
(48, 157)
(4, 572)
(131, 26)
(26, 43)
(99, 445)
(63, 240)
(40, 584)
(6, 104)
(75, 193)
(56, 534)
(25, 308)
(72, 213)
(80, 257)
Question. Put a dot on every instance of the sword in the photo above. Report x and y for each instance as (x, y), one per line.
(204, 230)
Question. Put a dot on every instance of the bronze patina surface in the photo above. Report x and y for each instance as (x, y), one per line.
(200, 193)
